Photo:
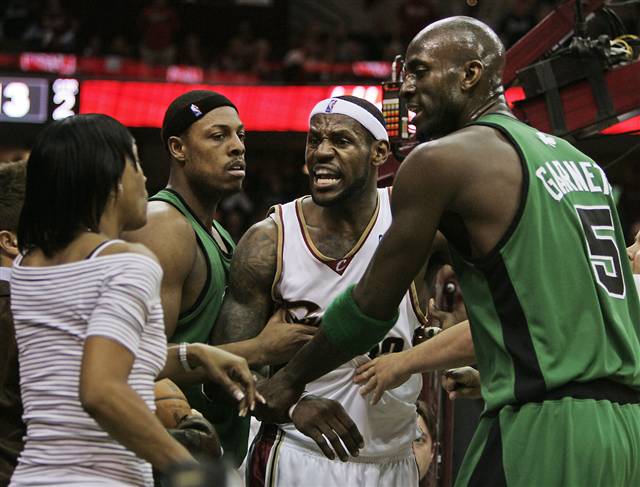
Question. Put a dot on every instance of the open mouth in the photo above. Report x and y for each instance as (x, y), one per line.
(237, 168)
(414, 111)
(324, 178)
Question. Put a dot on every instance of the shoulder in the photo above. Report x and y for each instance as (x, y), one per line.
(457, 157)
(264, 229)
(162, 216)
(255, 258)
(261, 233)
(123, 247)
(138, 254)
(168, 234)
(133, 266)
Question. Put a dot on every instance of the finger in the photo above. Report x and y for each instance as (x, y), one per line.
(260, 398)
(316, 435)
(334, 439)
(305, 329)
(448, 384)
(377, 394)
(366, 366)
(467, 392)
(246, 378)
(348, 431)
(344, 438)
(230, 386)
(364, 376)
(636, 263)
(369, 386)
(435, 311)
(280, 315)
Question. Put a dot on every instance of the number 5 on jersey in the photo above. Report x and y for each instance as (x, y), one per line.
(597, 224)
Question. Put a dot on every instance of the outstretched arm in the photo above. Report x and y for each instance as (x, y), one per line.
(240, 328)
(450, 348)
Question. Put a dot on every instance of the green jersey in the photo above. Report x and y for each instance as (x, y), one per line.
(195, 325)
(554, 303)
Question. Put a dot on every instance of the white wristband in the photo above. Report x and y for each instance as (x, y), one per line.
(182, 355)
(636, 278)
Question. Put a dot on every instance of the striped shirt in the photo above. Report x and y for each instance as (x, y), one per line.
(55, 309)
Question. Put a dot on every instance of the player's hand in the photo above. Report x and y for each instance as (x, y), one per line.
(633, 251)
(231, 372)
(315, 416)
(463, 382)
(443, 318)
(279, 340)
(279, 396)
(381, 374)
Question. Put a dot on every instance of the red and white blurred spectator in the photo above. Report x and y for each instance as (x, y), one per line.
(159, 24)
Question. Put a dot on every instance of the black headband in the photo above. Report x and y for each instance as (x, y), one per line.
(182, 119)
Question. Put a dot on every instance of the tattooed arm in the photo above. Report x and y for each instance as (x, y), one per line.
(247, 306)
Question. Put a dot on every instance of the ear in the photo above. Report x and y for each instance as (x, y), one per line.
(177, 148)
(8, 243)
(473, 71)
(380, 152)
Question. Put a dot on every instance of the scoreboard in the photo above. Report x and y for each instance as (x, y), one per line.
(37, 100)
(262, 108)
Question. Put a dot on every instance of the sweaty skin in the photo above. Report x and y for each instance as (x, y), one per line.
(342, 159)
(449, 83)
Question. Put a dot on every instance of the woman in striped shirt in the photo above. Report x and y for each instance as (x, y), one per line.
(88, 317)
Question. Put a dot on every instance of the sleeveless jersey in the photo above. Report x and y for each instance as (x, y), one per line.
(306, 283)
(195, 324)
(554, 303)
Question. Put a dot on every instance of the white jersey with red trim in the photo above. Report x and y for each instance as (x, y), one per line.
(306, 283)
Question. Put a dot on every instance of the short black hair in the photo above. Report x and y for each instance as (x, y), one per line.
(12, 183)
(74, 166)
(429, 416)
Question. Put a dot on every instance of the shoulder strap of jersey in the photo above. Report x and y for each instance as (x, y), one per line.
(275, 213)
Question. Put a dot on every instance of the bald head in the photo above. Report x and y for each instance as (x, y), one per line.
(464, 39)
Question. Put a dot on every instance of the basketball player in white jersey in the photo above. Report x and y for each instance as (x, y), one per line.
(299, 258)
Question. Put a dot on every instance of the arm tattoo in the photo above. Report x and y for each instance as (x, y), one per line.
(247, 303)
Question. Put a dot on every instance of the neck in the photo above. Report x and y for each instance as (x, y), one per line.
(493, 103)
(5, 260)
(203, 207)
(352, 213)
(110, 225)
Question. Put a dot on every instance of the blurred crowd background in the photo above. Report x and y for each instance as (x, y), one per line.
(269, 38)
(273, 41)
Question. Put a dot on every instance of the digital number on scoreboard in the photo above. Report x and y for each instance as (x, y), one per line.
(37, 100)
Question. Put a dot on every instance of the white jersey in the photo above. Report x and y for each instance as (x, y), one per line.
(306, 283)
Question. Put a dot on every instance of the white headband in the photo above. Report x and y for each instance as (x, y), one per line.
(344, 107)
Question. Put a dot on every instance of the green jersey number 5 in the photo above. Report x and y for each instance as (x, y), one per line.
(597, 224)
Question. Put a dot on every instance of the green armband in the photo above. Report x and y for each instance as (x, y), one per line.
(349, 329)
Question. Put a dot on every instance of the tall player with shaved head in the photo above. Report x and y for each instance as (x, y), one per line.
(537, 247)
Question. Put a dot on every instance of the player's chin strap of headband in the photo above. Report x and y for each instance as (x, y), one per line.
(344, 107)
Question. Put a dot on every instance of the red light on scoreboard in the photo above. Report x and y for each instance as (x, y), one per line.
(262, 108)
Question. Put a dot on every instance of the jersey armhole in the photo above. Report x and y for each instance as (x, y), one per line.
(275, 213)
(415, 305)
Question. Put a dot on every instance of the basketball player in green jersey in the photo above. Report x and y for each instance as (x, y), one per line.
(537, 247)
(204, 136)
